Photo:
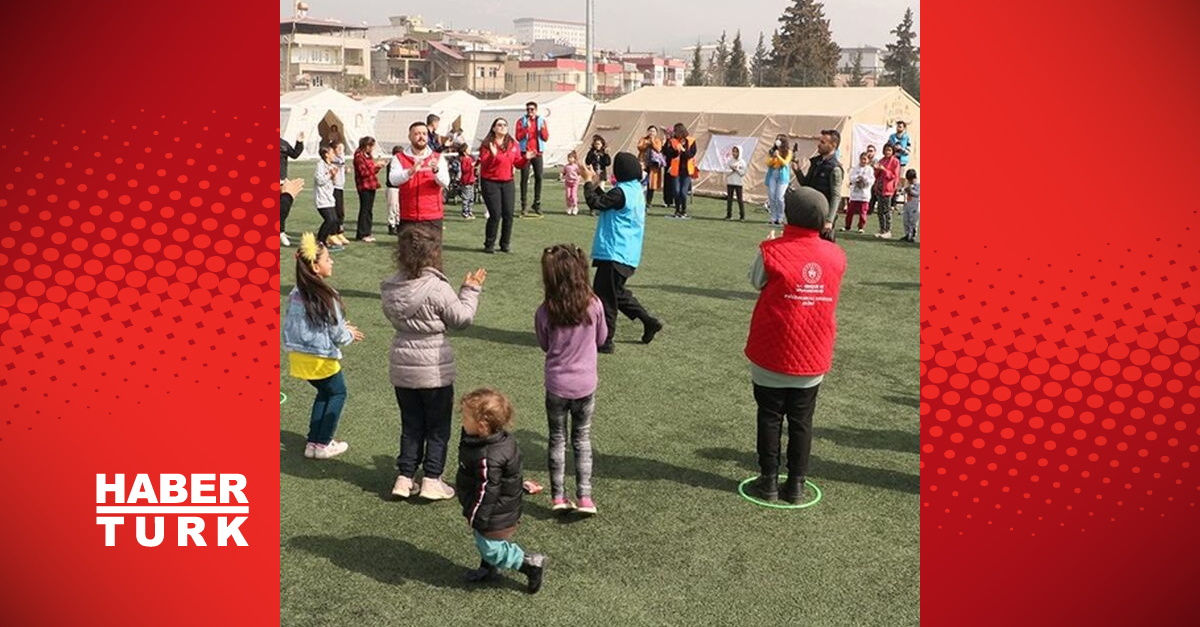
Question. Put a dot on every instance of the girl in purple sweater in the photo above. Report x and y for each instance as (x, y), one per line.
(570, 326)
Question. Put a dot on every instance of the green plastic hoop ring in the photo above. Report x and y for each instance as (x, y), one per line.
(762, 503)
(282, 398)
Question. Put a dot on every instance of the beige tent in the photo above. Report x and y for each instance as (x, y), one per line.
(757, 115)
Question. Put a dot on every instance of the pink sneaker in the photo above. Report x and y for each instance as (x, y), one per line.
(586, 506)
(561, 505)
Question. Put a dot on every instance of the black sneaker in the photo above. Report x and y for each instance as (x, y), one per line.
(652, 327)
(793, 491)
(485, 572)
(764, 488)
(505, 250)
(607, 349)
(489, 250)
(391, 230)
(534, 567)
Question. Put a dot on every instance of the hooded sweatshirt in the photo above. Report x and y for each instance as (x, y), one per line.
(421, 309)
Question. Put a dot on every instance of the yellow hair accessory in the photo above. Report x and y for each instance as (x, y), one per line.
(308, 247)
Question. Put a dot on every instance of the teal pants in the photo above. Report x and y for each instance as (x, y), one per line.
(499, 553)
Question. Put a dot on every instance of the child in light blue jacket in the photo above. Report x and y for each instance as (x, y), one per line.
(314, 329)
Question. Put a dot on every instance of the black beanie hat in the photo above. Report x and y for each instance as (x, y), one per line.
(805, 207)
(627, 168)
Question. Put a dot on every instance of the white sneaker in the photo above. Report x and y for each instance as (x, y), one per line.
(404, 487)
(331, 450)
(435, 489)
(861, 231)
(283, 240)
(310, 450)
(887, 235)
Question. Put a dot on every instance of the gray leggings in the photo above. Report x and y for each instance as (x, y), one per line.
(581, 411)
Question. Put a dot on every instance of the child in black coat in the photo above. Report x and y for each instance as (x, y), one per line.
(489, 487)
(598, 158)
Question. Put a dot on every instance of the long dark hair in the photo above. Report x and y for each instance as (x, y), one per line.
(491, 136)
(316, 293)
(365, 143)
(417, 248)
(565, 278)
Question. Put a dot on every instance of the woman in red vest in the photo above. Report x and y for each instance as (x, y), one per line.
(420, 174)
(792, 334)
(498, 155)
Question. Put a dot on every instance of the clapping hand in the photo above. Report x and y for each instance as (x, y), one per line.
(476, 278)
(587, 173)
(771, 235)
(355, 333)
(300, 137)
(291, 187)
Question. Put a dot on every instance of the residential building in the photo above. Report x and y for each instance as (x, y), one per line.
(655, 70)
(612, 78)
(323, 53)
(872, 65)
(401, 63)
(530, 29)
(480, 72)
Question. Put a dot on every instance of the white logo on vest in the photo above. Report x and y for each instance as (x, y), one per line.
(812, 272)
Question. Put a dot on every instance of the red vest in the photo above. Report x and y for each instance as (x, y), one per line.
(420, 196)
(795, 323)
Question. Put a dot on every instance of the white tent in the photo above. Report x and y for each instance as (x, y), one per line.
(317, 113)
(457, 109)
(373, 105)
(567, 115)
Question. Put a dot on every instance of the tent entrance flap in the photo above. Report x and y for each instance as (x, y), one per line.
(332, 131)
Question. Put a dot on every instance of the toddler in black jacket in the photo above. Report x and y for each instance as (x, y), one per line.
(489, 487)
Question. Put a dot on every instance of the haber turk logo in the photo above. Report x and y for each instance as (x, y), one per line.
(198, 504)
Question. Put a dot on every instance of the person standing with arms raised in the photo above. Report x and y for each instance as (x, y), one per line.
(532, 135)
(617, 245)
(421, 175)
(498, 155)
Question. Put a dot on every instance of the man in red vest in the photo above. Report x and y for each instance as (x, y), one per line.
(792, 333)
(421, 175)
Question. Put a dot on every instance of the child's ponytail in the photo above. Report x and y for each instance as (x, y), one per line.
(319, 297)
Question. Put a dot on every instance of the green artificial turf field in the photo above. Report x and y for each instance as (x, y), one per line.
(673, 434)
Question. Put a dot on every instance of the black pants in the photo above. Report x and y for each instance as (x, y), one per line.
(730, 190)
(668, 189)
(425, 417)
(534, 164)
(609, 286)
(339, 204)
(328, 224)
(366, 212)
(649, 196)
(285, 209)
(498, 197)
(798, 405)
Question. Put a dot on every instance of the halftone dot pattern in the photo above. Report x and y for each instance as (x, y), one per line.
(1057, 397)
(127, 273)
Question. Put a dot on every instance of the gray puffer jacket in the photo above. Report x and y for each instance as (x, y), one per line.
(421, 309)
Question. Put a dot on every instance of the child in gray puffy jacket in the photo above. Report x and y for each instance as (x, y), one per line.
(421, 306)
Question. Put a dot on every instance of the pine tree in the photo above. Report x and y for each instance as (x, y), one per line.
(696, 75)
(804, 54)
(902, 63)
(735, 70)
(856, 71)
(758, 64)
(720, 62)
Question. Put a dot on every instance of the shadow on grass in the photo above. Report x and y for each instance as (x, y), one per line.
(500, 336)
(881, 439)
(376, 480)
(824, 469)
(629, 468)
(895, 285)
(688, 290)
(907, 401)
(393, 562)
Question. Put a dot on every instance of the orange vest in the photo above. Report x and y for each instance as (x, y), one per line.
(679, 148)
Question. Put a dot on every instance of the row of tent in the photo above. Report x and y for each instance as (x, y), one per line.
(718, 117)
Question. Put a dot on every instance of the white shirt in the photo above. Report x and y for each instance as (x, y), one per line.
(735, 170)
(862, 178)
(400, 174)
(323, 186)
(339, 178)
